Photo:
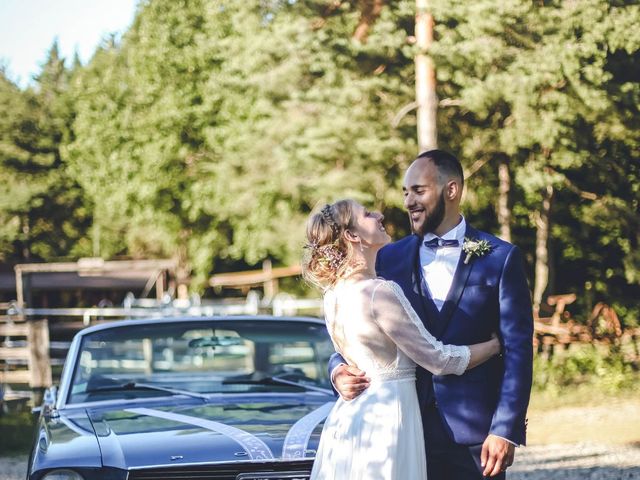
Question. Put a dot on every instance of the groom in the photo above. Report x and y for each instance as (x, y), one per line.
(464, 284)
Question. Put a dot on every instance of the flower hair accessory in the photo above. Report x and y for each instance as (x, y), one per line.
(327, 215)
(475, 248)
(331, 256)
(328, 255)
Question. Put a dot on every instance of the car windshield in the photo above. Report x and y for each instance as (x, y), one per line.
(199, 358)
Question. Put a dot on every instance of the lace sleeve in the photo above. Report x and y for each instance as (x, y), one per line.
(393, 313)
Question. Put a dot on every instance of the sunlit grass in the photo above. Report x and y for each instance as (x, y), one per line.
(585, 394)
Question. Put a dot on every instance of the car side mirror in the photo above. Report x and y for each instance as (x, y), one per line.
(48, 408)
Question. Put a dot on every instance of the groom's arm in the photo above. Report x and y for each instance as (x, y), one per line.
(334, 361)
(516, 331)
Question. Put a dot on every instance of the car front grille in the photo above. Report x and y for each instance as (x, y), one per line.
(243, 471)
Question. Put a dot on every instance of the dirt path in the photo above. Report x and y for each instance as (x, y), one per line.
(13, 468)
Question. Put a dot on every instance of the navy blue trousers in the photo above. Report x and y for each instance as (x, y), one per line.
(447, 460)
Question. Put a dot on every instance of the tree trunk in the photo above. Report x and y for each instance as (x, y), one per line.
(183, 269)
(26, 243)
(504, 210)
(425, 79)
(543, 224)
(369, 12)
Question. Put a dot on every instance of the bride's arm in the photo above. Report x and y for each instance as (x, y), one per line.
(393, 313)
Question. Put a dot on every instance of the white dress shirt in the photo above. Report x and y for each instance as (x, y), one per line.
(439, 265)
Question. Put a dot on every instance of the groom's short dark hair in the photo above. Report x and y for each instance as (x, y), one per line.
(447, 164)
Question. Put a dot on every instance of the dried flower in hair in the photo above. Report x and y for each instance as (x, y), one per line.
(313, 246)
(330, 256)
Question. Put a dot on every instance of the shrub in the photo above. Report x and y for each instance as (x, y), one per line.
(604, 369)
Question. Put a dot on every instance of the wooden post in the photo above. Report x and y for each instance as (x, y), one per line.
(39, 361)
(160, 285)
(147, 351)
(426, 97)
(19, 288)
(270, 284)
(504, 212)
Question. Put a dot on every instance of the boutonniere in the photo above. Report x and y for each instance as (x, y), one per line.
(475, 248)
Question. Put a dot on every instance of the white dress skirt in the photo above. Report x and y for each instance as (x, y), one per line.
(379, 435)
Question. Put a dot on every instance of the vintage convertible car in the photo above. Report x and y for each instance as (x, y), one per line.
(238, 398)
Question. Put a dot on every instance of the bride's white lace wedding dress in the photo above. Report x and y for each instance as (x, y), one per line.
(378, 435)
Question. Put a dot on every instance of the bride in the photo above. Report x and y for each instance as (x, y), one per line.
(378, 435)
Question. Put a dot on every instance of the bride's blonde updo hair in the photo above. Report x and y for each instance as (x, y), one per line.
(328, 254)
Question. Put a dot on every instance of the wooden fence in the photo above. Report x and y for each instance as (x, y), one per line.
(24, 356)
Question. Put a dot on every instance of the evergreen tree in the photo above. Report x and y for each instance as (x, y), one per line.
(42, 213)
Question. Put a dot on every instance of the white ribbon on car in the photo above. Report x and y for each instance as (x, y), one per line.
(297, 439)
(255, 448)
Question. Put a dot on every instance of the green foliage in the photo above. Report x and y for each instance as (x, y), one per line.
(212, 128)
(548, 87)
(606, 371)
(214, 142)
(42, 210)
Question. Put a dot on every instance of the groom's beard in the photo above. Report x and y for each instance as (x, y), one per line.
(433, 218)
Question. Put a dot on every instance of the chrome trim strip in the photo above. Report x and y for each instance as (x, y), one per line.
(255, 448)
(221, 462)
(297, 439)
(77, 428)
(67, 371)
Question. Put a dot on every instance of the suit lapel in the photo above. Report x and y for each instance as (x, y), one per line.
(411, 274)
(463, 270)
(430, 314)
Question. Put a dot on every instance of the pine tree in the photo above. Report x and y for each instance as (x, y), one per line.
(43, 211)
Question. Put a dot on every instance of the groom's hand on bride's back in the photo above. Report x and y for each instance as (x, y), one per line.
(349, 381)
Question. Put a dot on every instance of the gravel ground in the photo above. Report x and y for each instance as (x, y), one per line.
(586, 461)
(13, 468)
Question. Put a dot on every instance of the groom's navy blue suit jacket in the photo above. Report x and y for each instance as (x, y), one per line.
(488, 294)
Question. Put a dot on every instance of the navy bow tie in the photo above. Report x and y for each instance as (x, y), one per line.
(436, 243)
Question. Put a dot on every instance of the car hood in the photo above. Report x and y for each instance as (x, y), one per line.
(230, 429)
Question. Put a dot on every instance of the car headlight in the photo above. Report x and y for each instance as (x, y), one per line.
(63, 475)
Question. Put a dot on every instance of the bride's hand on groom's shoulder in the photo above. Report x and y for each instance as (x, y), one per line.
(349, 381)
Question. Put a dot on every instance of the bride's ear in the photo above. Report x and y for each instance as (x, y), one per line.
(351, 237)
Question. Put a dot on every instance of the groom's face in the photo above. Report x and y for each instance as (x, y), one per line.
(423, 197)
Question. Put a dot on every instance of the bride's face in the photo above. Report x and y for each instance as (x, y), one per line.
(369, 227)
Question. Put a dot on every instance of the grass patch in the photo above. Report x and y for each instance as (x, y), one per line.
(595, 367)
(16, 432)
(587, 393)
(584, 415)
